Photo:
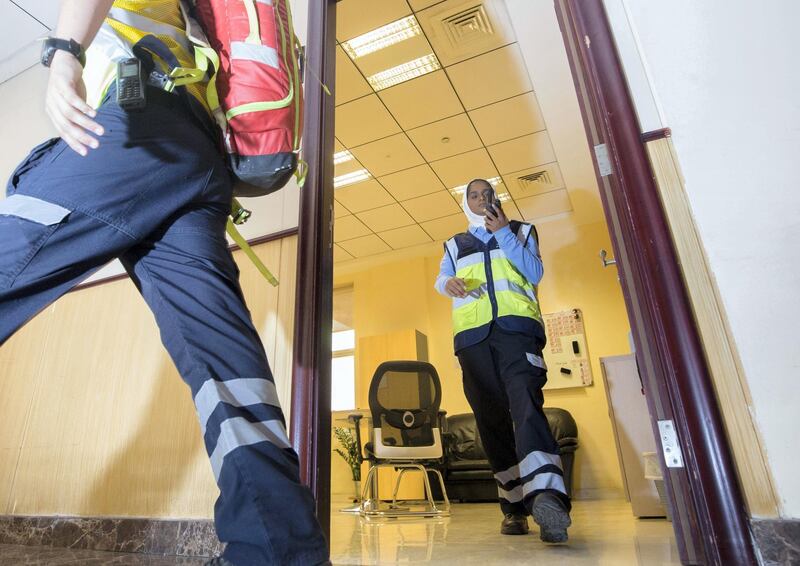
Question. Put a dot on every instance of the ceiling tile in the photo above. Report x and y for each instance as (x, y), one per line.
(363, 196)
(445, 228)
(458, 132)
(349, 82)
(348, 227)
(356, 17)
(337, 145)
(405, 237)
(18, 31)
(461, 169)
(339, 210)
(339, 254)
(491, 77)
(548, 204)
(364, 120)
(460, 29)
(521, 153)
(386, 218)
(508, 119)
(431, 206)
(422, 100)
(411, 183)
(534, 181)
(388, 155)
(511, 210)
(367, 245)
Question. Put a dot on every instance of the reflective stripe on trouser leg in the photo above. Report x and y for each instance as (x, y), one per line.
(264, 514)
(483, 389)
(539, 466)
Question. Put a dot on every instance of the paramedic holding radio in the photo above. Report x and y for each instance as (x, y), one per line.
(139, 177)
(491, 272)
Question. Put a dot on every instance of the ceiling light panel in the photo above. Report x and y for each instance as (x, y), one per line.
(494, 181)
(342, 157)
(351, 178)
(404, 72)
(383, 37)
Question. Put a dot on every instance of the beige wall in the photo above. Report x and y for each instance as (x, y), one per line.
(94, 419)
(400, 295)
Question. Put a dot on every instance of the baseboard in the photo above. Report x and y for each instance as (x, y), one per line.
(173, 537)
(777, 540)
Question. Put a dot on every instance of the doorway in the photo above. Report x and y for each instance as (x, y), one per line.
(667, 346)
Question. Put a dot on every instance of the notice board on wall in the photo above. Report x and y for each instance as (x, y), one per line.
(566, 353)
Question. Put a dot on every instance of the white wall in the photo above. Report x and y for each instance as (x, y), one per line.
(725, 80)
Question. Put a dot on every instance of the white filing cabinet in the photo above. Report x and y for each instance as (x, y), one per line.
(633, 432)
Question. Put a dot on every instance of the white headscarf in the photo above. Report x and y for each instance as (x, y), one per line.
(475, 220)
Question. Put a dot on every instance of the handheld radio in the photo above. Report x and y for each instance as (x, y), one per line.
(130, 85)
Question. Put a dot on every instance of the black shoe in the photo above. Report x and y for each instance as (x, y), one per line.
(514, 524)
(218, 561)
(551, 514)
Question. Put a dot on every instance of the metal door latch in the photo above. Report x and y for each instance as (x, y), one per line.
(669, 444)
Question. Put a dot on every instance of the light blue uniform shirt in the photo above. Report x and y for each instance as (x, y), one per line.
(525, 258)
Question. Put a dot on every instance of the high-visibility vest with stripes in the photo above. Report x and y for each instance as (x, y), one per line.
(496, 290)
(129, 21)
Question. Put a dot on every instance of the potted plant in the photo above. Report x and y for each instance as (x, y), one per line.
(350, 452)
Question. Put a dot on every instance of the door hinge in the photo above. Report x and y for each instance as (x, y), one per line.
(673, 456)
(603, 162)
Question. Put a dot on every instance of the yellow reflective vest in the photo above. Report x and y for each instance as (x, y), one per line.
(129, 21)
(496, 290)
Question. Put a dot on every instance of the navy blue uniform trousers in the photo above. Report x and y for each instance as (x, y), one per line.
(156, 194)
(503, 379)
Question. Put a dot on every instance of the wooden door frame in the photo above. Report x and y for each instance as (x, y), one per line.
(710, 515)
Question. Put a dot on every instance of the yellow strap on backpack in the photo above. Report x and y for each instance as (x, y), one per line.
(242, 243)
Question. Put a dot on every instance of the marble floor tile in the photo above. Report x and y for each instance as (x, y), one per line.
(53, 556)
(603, 533)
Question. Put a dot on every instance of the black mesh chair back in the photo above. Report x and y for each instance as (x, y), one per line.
(404, 399)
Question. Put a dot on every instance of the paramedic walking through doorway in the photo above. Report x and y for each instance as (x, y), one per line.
(491, 272)
(151, 188)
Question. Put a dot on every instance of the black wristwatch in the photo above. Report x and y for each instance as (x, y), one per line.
(53, 44)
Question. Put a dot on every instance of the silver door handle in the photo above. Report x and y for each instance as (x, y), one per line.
(606, 262)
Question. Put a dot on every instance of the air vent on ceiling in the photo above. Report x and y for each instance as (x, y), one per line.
(467, 26)
(534, 180)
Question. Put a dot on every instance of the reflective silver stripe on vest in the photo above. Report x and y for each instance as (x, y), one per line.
(548, 480)
(238, 432)
(236, 392)
(452, 249)
(252, 52)
(512, 496)
(508, 475)
(145, 24)
(506, 285)
(471, 259)
(111, 44)
(472, 296)
(536, 460)
(267, 2)
(497, 254)
(33, 209)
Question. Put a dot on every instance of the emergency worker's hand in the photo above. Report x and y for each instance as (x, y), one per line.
(495, 220)
(456, 287)
(66, 106)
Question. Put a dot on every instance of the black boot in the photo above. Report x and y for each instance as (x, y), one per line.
(514, 524)
(551, 514)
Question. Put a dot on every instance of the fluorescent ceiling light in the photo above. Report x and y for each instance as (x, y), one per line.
(342, 157)
(382, 37)
(351, 178)
(406, 71)
(494, 181)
